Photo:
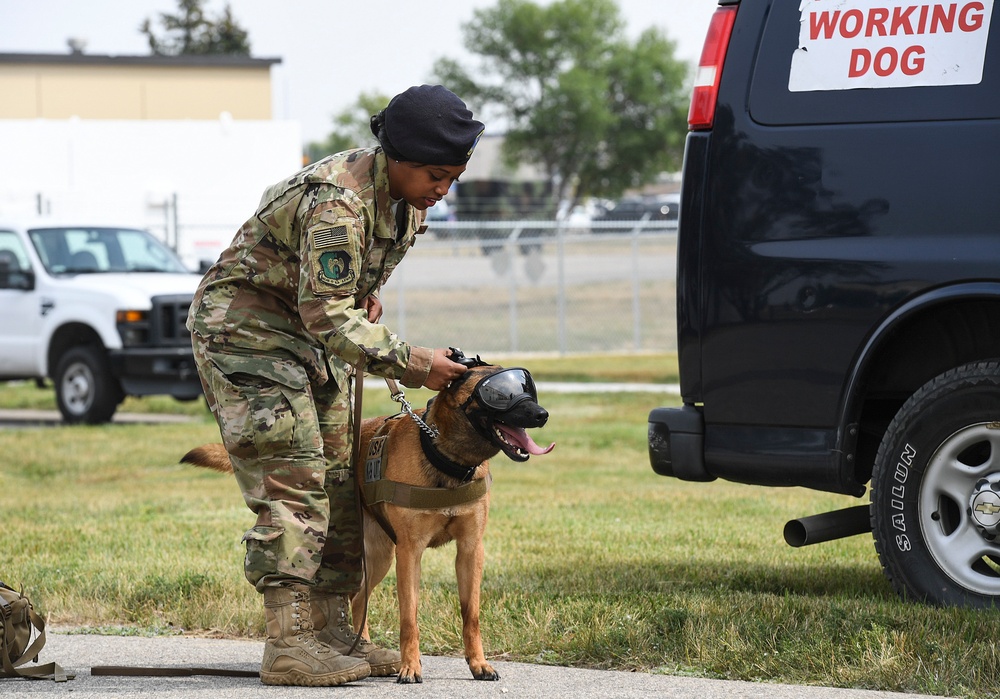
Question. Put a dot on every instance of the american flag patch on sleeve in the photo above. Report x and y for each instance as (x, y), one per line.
(331, 237)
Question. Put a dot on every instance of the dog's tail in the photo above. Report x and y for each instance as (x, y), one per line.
(213, 456)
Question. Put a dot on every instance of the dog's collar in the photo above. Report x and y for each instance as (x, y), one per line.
(442, 463)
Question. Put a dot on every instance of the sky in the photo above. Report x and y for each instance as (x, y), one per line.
(331, 50)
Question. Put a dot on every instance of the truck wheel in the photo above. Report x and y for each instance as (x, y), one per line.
(936, 491)
(86, 391)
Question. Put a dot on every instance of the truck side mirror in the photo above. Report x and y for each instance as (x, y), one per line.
(23, 280)
(13, 277)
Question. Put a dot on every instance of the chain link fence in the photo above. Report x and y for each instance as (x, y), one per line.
(538, 286)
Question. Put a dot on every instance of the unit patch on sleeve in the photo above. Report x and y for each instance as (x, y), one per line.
(336, 268)
(334, 260)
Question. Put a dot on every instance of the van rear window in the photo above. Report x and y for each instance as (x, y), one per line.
(861, 61)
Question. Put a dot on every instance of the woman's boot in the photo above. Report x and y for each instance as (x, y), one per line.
(292, 653)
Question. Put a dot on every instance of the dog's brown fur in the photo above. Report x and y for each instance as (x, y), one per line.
(416, 530)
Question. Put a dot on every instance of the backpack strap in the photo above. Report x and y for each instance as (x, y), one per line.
(25, 615)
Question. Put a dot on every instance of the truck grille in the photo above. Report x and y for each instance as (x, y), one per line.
(168, 319)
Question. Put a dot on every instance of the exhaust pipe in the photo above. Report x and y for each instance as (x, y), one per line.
(828, 526)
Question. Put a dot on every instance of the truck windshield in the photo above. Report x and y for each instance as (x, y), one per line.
(83, 250)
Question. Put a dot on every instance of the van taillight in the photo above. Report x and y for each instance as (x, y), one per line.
(706, 81)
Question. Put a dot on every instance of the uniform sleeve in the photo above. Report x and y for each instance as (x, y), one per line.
(333, 230)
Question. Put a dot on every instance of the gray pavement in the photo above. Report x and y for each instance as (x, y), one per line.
(27, 417)
(444, 678)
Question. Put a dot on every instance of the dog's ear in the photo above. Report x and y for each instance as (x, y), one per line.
(479, 362)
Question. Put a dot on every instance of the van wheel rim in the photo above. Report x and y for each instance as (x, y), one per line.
(963, 466)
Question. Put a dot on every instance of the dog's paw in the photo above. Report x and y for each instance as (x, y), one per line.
(485, 672)
(409, 675)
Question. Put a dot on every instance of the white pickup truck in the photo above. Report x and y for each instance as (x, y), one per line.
(99, 310)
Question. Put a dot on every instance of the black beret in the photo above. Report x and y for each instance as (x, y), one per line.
(427, 124)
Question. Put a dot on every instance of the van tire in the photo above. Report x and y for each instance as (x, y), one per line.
(941, 454)
(86, 390)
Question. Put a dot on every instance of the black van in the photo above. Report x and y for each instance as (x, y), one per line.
(838, 277)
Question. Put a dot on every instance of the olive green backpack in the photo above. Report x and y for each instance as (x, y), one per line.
(23, 637)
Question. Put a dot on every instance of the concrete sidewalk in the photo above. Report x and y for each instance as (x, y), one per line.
(444, 678)
(27, 417)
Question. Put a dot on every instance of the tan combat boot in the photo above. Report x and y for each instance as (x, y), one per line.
(334, 628)
(292, 653)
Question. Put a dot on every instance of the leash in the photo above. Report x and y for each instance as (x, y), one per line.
(359, 390)
(396, 393)
(128, 671)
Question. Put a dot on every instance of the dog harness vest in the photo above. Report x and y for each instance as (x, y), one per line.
(377, 488)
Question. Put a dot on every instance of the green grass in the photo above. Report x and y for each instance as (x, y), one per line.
(592, 368)
(592, 559)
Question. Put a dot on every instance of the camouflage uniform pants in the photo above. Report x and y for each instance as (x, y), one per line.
(289, 441)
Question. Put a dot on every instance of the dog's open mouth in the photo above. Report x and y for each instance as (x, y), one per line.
(516, 443)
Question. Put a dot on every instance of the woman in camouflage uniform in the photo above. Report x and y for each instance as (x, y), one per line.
(279, 324)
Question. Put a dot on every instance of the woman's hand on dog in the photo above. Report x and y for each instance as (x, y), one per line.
(443, 371)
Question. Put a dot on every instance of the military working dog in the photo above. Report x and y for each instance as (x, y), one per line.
(425, 482)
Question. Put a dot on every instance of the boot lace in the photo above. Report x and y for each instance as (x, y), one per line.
(303, 624)
(348, 630)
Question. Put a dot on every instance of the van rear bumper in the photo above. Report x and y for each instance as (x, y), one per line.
(677, 443)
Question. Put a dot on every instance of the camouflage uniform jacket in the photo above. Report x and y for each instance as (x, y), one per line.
(286, 294)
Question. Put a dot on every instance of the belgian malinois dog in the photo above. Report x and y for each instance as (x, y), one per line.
(426, 483)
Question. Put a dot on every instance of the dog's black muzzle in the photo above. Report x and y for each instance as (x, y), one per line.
(526, 414)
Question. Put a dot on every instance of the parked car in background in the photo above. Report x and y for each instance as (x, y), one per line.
(661, 207)
(99, 310)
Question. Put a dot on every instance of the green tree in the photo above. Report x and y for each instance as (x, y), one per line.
(598, 113)
(190, 32)
(351, 127)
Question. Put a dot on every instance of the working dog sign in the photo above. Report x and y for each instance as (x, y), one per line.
(849, 44)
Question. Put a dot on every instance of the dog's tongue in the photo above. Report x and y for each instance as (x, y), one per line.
(520, 438)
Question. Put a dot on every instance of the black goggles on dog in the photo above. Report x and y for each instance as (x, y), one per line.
(505, 389)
